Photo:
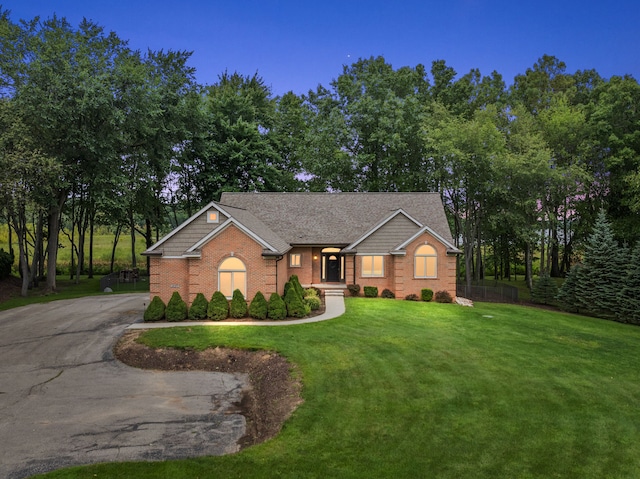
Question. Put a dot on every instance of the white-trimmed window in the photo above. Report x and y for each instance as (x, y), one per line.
(232, 275)
(295, 260)
(373, 266)
(213, 216)
(426, 262)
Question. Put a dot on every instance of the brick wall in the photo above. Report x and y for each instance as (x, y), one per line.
(191, 276)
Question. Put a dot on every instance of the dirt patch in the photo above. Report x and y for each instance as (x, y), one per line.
(274, 391)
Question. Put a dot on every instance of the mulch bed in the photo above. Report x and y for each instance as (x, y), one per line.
(274, 391)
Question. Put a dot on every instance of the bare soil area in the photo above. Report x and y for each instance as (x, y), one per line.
(275, 386)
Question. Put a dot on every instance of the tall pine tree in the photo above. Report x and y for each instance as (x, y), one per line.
(601, 278)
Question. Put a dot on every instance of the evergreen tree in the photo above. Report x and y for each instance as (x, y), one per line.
(629, 295)
(601, 278)
(544, 290)
(568, 291)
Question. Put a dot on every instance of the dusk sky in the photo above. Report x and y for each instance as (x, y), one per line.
(296, 45)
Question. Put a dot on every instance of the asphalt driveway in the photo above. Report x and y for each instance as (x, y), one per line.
(65, 400)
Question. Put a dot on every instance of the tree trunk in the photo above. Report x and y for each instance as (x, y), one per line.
(115, 245)
(53, 219)
(91, 224)
(528, 266)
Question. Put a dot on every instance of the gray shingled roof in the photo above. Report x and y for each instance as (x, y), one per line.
(329, 218)
(247, 219)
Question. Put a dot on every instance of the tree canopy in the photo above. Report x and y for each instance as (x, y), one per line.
(95, 132)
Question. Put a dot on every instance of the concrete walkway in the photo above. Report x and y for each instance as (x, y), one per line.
(334, 307)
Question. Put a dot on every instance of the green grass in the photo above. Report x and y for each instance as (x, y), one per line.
(68, 289)
(102, 246)
(399, 389)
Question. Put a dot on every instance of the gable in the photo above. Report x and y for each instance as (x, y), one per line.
(178, 241)
(389, 235)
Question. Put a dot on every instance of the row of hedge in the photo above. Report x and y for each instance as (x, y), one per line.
(426, 294)
(296, 302)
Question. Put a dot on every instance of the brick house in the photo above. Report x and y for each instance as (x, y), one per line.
(255, 241)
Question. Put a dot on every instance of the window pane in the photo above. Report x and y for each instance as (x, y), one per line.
(367, 265)
(226, 284)
(431, 267)
(377, 265)
(239, 282)
(421, 269)
(294, 259)
(232, 264)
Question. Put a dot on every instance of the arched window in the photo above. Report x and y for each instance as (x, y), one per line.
(232, 275)
(426, 262)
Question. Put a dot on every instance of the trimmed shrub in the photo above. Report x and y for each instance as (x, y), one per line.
(312, 292)
(544, 290)
(412, 297)
(443, 297)
(258, 307)
(295, 282)
(371, 291)
(238, 305)
(218, 308)
(313, 302)
(6, 261)
(354, 289)
(276, 309)
(198, 309)
(387, 293)
(426, 294)
(295, 305)
(176, 308)
(287, 287)
(155, 310)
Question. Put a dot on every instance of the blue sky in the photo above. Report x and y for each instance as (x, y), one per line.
(296, 45)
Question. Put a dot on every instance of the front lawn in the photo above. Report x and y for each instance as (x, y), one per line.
(399, 389)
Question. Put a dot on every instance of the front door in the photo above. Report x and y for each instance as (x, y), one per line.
(332, 265)
(333, 268)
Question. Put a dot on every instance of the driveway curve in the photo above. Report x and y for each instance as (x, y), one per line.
(65, 400)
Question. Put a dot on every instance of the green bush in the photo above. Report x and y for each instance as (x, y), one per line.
(426, 294)
(238, 305)
(6, 261)
(277, 309)
(412, 297)
(155, 310)
(354, 289)
(198, 309)
(258, 307)
(313, 302)
(295, 305)
(218, 308)
(311, 292)
(176, 308)
(371, 291)
(387, 293)
(443, 297)
(287, 287)
(293, 279)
